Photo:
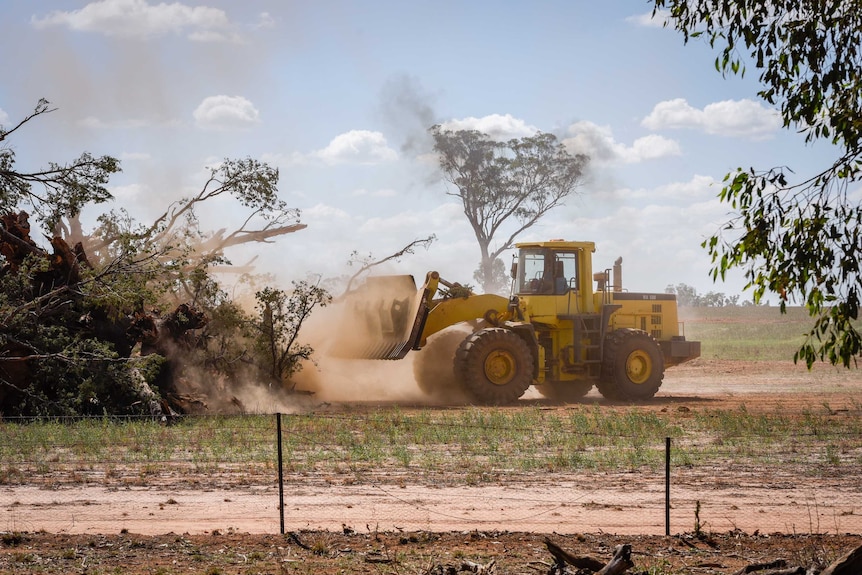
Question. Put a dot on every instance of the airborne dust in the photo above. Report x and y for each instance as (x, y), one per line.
(350, 336)
(340, 334)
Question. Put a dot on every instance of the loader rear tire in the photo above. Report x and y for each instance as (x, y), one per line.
(632, 366)
(565, 391)
(495, 366)
(434, 366)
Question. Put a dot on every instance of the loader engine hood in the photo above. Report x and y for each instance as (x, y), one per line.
(382, 319)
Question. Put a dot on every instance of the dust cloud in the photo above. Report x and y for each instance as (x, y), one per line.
(336, 331)
(339, 333)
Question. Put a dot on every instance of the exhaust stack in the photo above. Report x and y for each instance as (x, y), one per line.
(618, 274)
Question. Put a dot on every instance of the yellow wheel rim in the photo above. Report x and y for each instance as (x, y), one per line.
(500, 367)
(638, 367)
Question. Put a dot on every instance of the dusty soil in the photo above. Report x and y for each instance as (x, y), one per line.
(248, 545)
(408, 553)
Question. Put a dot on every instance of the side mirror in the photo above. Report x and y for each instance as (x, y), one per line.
(514, 270)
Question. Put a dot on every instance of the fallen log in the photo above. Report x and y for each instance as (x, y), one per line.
(848, 564)
(619, 563)
(563, 557)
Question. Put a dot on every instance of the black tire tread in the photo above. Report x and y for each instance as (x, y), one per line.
(613, 383)
(469, 366)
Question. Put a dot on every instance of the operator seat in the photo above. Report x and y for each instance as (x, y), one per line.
(560, 283)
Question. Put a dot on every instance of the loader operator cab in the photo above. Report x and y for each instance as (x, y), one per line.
(545, 271)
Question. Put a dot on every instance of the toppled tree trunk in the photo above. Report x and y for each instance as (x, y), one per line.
(54, 291)
(563, 557)
(849, 564)
(619, 563)
(15, 242)
(169, 336)
(148, 397)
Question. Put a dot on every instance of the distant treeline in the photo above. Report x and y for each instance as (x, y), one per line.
(687, 296)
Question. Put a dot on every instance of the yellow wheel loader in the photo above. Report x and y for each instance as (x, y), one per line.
(555, 332)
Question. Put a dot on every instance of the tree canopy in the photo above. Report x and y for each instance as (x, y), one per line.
(58, 191)
(110, 321)
(799, 237)
(505, 187)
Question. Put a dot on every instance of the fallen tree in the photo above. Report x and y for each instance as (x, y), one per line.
(107, 322)
(848, 564)
(51, 320)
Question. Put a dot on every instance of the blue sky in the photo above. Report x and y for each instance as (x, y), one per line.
(339, 94)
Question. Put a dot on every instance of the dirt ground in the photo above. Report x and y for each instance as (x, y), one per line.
(248, 545)
(429, 553)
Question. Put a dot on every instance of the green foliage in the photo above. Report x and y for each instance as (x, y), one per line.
(276, 330)
(69, 370)
(63, 188)
(65, 339)
(799, 239)
(511, 183)
(498, 281)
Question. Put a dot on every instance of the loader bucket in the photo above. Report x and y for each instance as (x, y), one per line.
(383, 319)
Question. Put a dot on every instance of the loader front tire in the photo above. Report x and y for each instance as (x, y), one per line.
(434, 366)
(495, 366)
(632, 366)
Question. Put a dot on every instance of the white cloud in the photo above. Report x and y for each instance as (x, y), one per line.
(382, 193)
(139, 19)
(650, 147)
(496, 126)
(598, 142)
(225, 112)
(395, 225)
(698, 187)
(4, 117)
(324, 212)
(214, 36)
(647, 20)
(740, 118)
(284, 160)
(357, 147)
(129, 193)
(265, 20)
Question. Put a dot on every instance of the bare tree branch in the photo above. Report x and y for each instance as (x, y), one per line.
(408, 249)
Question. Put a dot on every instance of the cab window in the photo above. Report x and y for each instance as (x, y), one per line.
(547, 272)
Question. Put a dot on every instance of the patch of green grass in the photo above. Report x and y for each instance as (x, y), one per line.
(470, 446)
(751, 333)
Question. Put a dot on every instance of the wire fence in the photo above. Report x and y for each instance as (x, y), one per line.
(580, 470)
